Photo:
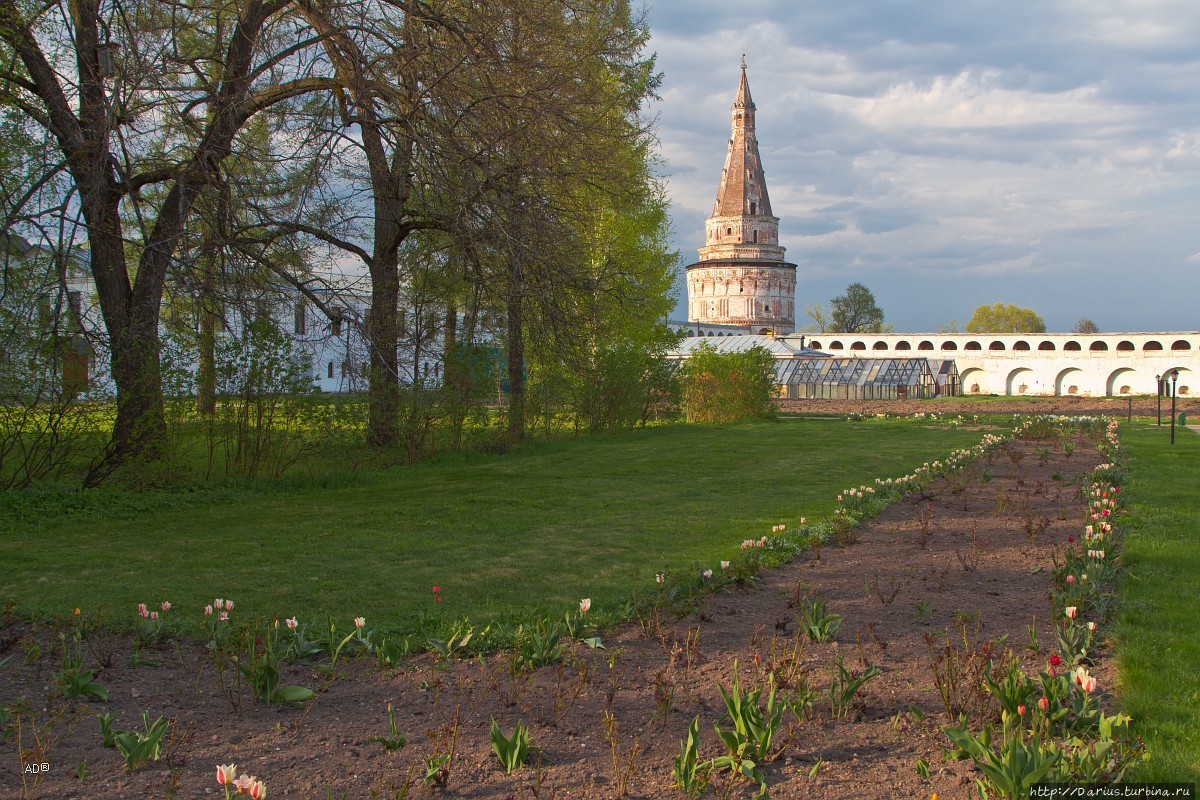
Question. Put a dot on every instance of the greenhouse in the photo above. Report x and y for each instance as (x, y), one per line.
(829, 378)
(803, 373)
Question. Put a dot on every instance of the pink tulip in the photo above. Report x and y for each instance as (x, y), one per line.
(1072, 612)
(359, 622)
(229, 605)
(218, 604)
(1070, 579)
(208, 611)
(153, 615)
(291, 623)
(224, 616)
(244, 783)
(166, 606)
(226, 773)
(143, 611)
(585, 605)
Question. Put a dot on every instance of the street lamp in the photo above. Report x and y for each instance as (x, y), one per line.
(1174, 380)
(1158, 391)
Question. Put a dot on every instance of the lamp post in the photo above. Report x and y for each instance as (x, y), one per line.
(1158, 392)
(1174, 380)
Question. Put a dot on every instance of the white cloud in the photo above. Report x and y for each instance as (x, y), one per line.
(947, 152)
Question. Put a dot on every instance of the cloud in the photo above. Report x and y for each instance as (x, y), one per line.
(948, 149)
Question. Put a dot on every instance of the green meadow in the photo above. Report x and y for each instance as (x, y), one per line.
(1158, 642)
(524, 534)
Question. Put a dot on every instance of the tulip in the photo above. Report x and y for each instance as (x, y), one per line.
(1072, 612)
(359, 622)
(166, 606)
(724, 565)
(1070, 579)
(229, 605)
(1044, 704)
(1092, 627)
(1055, 661)
(292, 623)
(218, 604)
(143, 611)
(706, 574)
(660, 577)
(226, 773)
(208, 611)
(224, 616)
(585, 605)
(436, 589)
(244, 783)
(1021, 710)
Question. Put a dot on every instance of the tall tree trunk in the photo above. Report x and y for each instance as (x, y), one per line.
(383, 339)
(516, 354)
(206, 343)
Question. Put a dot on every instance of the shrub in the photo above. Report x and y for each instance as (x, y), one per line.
(726, 387)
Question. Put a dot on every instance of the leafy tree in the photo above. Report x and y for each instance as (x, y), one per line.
(117, 86)
(819, 316)
(855, 311)
(1085, 325)
(1005, 318)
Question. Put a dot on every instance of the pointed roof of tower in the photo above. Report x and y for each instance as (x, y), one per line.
(743, 189)
(743, 99)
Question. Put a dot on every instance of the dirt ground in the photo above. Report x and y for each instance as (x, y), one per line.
(974, 554)
(1117, 407)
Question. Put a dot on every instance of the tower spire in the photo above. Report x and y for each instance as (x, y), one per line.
(741, 278)
(743, 187)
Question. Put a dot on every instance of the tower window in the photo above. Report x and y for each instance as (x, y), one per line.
(755, 233)
(753, 207)
(729, 231)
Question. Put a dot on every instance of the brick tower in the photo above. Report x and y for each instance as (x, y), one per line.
(741, 277)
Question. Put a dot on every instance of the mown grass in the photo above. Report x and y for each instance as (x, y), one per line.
(528, 533)
(1158, 648)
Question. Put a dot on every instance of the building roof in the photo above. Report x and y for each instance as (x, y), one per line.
(742, 180)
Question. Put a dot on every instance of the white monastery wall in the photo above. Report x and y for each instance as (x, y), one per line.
(1089, 365)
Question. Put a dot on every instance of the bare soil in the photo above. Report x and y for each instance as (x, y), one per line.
(1074, 406)
(976, 553)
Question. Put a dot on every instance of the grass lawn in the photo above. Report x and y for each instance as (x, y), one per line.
(1159, 631)
(530, 532)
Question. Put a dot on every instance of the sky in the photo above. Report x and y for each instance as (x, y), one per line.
(951, 153)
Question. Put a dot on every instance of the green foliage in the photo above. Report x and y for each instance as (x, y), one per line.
(542, 648)
(513, 751)
(138, 747)
(628, 386)
(261, 669)
(73, 679)
(692, 775)
(754, 728)
(394, 740)
(727, 387)
(1011, 769)
(262, 380)
(818, 624)
(1005, 318)
(844, 685)
(855, 311)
